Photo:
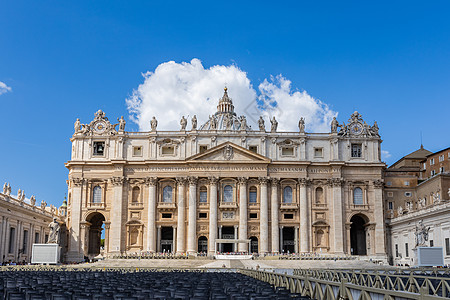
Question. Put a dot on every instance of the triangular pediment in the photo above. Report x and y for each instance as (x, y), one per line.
(228, 153)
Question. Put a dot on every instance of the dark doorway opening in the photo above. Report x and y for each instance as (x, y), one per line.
(253, 244)
(358, 236)
(95, 233)
(228, 233)
(202, 244)
(288, 240)
(166, 239)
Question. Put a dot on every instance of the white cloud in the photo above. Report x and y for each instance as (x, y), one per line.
(187, 88)
(4, 88)
(385, 155)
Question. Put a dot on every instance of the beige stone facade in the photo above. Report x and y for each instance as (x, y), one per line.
(23, 224)
(181, 191)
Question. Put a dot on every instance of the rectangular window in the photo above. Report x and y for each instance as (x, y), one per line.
(288, 216)
(252, 197)
(99, 148)
(391, 205)
(433, 172)
(356, 150)
(287, 151)
(254, 149)
(447, 246)
(168, 150)
(441, 158)
(253, 216)
(203, 148)
(432, 161)
(36, 237)
(25, 242)
(137, 151)
(441, 170)
(202, 215)
(406, 250)
(396, 250)
(203, 197)
(431, 243)
(424, 166)
(389, 183)
(318, 152)
(406, 183)
(166, 216)
(12, 239)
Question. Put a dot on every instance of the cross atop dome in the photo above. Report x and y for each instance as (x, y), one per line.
(225, 103)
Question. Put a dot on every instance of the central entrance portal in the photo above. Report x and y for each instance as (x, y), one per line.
(227, 233)
(288, 240)
(166, 239)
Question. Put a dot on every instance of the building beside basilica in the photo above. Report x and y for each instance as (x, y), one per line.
(223, 186)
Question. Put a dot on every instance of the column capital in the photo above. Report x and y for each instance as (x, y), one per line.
(77, 181)
(151, 180)
(192, 180)
(236, 226)
(117, 180)
(304, 181)
(242, 180)
(335, 182)
(263, 180)
(378, 184)
(275, 181)
(213, 180)
(181, 180)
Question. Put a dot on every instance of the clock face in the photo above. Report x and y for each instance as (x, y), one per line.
(100, 127)
(356, 128)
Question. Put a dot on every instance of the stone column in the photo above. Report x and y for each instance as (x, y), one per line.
(296, 239)
(174, 238)
(74, 252)
(117, 215)
(18, 240)
(347, 237)
(235, 236)
(158, 246)
(84, 236)
(338, 216)
(107, 227)
(151, 227)
(181, 215)
(281, 238)
(220, 236)
(304, 230)
(274, 215)
(380, 245)
(242, 213)
(192, 227)
(264, 217)
(212, 214)
(2, 234)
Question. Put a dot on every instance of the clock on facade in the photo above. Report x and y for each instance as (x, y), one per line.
(100, 127)
(356, 128)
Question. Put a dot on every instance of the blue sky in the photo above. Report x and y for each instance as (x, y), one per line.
(64, 60)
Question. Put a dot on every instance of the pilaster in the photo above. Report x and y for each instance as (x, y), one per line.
(243, 213)
(264, 216)
(151, 227)
(274, 215)
(181, 215)
(212, 214)
(191, 244)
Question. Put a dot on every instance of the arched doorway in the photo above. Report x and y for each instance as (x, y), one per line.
(95, 233)
(202, 244)
(253, 244)
(358, 236)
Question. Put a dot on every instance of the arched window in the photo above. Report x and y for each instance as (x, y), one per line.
(135, 194)
(287, 195)
(252, 194)
(319, 195)
(203, 194)
(167, 194)
(228, 193)
(97, 195)
(358, 196)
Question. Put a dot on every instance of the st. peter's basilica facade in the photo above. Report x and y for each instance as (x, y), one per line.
(225, 187)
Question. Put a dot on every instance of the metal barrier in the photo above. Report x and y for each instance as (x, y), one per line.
(339, 284)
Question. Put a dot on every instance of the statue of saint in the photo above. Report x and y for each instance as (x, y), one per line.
(274, 126)
(194, 122)
(301, 125)
(54, 232)
(213, 122)
(32, 200)
(8, 190)
(244, 123)
(43, 204)
(334, 125)
(183, 123)
(5, 188)
(77, 126)
(261, 124)
(153, 123)
(421, 203)
(19, 194)
(421, 234)
(122, 123)
(400, 210)
(374, 129)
